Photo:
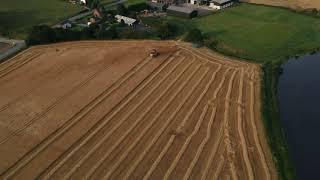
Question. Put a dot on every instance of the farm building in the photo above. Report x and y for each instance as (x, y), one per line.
(167, 2)
(215, 4)
(220, 4)
(181, 11)
(66, 24)
(156, 5)
(126, 20)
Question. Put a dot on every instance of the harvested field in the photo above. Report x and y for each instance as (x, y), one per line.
(294, 4)
(108, 110)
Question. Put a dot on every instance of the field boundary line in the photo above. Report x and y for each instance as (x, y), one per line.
(15, 58)
(217, 142)
(141, 156)
(124, 155)
(187, 142)
(202, 145)
(106, 120)
(182, 125)
(90, 173)
(61, 160)
(208, 58)
(230, 150)
(255, 133)
(30, 155)
(243, 142)
(8, 63)
(172, 138)
(53, 105)
(219, 168)
(16, 66)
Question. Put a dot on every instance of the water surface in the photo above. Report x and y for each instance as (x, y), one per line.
(299, 96)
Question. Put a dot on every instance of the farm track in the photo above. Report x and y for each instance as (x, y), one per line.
(180, 115)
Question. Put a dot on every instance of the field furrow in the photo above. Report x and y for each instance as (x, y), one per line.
(18, 64)
(69, 124)
(106, 136)
(108, 110)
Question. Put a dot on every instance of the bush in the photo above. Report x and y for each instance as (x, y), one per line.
(194, 36)
(122, 10)
(211, 43)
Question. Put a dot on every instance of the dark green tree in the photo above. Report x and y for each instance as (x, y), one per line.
(166, 30)
(122, 10)
(41, 34)
(93, 4)
(194, 36)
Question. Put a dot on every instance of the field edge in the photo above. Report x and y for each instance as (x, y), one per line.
(270, 112)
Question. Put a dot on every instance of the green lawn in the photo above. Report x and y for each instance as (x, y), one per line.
(133, 2)
(18, 16)
(258, 33)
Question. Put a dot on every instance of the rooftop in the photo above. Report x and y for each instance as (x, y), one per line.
(180, 9)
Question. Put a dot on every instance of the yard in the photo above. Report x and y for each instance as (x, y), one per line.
(18, 16)
(256, 32)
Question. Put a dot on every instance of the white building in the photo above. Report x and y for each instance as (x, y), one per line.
(66, 24)
(126, 20)
(220, 4)
(215, 4)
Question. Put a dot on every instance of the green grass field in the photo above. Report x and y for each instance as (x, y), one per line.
(258, 33)
(133, 2)
(18, 16)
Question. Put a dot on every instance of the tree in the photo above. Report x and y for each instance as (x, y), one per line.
(93, 4)
(166, 30)
(194, 36)
(41, 34)
(122, 10)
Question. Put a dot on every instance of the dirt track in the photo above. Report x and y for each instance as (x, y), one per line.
(294, 4)
(107, 110)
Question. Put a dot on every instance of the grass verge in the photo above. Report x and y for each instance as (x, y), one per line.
(271, 117)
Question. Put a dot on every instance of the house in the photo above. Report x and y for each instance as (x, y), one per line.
(220, 4)
(167, 2)
(126, 20)
(97, 14)
(215, 4)
(83, 2)
(66, 24)
(93, 20)
(181, 11)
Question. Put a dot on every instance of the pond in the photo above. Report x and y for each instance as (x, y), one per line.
(299, 98)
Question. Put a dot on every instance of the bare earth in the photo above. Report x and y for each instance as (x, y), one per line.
(294, 4)
(107, 110)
